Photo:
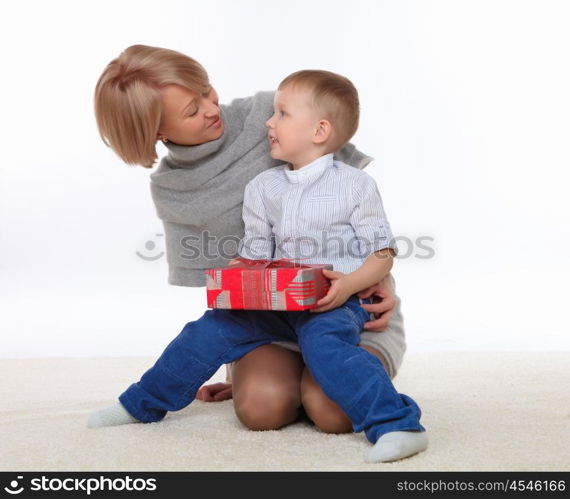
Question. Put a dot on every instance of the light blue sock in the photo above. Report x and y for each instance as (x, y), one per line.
(110, 416)
(397, 445)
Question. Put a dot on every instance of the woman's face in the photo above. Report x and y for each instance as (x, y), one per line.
(189, 118)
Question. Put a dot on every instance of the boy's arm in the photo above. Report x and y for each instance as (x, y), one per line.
(373, 270)
(374, 239)
(258, 242)
(374, 236)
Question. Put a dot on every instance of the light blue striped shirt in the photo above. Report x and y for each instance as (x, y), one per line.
(325, 212)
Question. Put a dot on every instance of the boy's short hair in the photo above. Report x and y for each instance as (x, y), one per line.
(335, 96)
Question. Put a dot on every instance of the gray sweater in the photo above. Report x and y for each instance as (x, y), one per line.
(198, 190)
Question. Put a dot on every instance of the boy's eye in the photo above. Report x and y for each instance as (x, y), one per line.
(282, 113)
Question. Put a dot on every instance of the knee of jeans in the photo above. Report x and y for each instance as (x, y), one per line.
(266, 406)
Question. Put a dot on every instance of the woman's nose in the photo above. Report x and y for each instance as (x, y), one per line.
(211, 108)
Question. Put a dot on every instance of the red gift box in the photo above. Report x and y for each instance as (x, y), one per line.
(266, 285)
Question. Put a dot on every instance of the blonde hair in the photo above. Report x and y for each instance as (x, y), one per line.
(335, 96)
(128, 102)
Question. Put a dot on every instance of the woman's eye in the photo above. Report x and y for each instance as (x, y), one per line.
(209, 94)
(194, 113)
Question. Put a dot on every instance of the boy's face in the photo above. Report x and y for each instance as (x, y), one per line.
(292, 127)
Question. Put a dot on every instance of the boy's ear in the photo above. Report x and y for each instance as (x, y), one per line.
(322, 132)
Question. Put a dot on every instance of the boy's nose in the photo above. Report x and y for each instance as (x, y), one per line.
(269, 123)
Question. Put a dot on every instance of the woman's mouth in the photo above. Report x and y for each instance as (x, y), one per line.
(216, 124)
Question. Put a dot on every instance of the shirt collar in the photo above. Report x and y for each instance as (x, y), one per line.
(310, 171)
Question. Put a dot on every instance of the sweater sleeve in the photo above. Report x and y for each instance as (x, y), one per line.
(252, 111)
(350, 155)
(258, 242)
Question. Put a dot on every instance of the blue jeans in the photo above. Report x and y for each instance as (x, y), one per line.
(349, 375)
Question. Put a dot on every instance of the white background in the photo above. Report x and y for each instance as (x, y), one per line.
(465, 106)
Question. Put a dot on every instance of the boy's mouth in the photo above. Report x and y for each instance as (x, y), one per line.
(273, 140)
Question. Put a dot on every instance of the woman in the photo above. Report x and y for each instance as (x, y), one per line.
(149, 94)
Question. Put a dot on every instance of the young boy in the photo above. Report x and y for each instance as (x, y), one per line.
(296, 211)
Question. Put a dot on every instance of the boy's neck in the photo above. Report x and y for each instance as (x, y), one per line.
(307, 160)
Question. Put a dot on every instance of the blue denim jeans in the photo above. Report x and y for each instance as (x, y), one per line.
(349, 375)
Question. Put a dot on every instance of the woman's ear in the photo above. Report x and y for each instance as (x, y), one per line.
(322, 132)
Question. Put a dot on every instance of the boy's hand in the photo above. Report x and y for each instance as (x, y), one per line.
(338, 293)
(383, 308)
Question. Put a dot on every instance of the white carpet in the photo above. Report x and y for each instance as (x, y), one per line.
(484, 411)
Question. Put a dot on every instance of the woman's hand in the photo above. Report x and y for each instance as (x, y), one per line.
(383, 295)
(338, 293)
(215, 393)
